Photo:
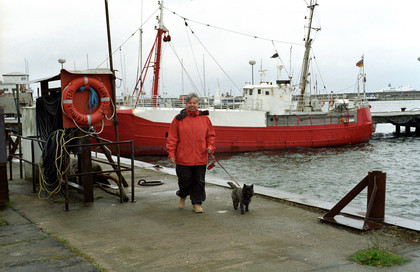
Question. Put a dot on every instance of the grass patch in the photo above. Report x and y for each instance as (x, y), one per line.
(3, 222)
(60, 200)
(376, 256)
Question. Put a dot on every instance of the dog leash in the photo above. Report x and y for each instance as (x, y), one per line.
(213, 165)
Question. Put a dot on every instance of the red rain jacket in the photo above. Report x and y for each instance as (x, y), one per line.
(190, 134)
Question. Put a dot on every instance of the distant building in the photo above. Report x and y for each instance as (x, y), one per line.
(8, 94)
(11, 79)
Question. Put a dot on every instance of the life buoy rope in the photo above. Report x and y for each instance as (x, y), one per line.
(98, 112)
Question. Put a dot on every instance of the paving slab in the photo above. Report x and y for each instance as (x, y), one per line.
(26, 247)
(71, 264)
(153, 234)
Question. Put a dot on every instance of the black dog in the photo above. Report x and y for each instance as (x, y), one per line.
(242, 196)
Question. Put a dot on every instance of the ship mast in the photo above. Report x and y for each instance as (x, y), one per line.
(161, 30)
(156, 51)
(305, 64)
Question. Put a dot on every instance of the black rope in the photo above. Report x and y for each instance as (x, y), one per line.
(53, 158)
(49, 123)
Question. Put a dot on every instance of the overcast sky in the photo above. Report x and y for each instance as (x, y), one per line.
(38, 33)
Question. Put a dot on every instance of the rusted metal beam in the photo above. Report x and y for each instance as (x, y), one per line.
(347, 198)
(375, 210)
(376, 195)
(108, 155)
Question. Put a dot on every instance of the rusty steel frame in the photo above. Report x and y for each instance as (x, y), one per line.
(375, 210)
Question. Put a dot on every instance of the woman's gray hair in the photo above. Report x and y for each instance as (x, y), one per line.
(191, 96)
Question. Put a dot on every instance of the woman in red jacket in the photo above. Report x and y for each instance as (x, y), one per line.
(191, 138)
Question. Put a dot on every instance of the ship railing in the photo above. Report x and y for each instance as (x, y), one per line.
(205, 102)
(312, 119)
(329, 102)
(227, 103)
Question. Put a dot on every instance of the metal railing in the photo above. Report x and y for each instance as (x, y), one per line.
(35, 139)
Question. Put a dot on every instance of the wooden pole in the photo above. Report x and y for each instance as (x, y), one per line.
(4, 185)
(19, 130)
(111, 65)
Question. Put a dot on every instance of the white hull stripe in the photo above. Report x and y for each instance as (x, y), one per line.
(67, 101)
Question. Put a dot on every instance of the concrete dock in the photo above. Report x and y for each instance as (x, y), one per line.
(153, 234)
(406, 119)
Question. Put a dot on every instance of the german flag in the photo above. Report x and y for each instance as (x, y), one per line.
(359, 63)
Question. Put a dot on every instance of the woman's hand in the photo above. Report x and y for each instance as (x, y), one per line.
(209, 150)
(172, 160)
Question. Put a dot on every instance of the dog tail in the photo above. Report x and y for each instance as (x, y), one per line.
(233, 186)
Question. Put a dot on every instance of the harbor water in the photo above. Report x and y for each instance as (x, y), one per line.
(330, 173)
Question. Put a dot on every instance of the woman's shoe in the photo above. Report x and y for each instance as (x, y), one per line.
(181, 203)
(197, 208)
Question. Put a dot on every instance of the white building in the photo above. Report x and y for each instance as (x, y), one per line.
(11, 79)
(8, 94)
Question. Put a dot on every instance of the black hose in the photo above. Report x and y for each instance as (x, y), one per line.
(143, 182)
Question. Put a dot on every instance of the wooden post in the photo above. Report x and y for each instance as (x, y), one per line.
(378, 179)
(19, 130)
(4, 185)
(407, 130)
(84, 161)
(397, 130)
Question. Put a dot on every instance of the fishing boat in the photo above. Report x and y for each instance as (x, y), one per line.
(270, 115)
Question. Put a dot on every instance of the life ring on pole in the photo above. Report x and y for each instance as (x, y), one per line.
(331, 102)
(96, 113)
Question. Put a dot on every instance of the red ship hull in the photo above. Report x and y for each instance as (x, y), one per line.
(150, 137)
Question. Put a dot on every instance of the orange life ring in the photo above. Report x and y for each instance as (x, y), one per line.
(98, 113)
(331, 102)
